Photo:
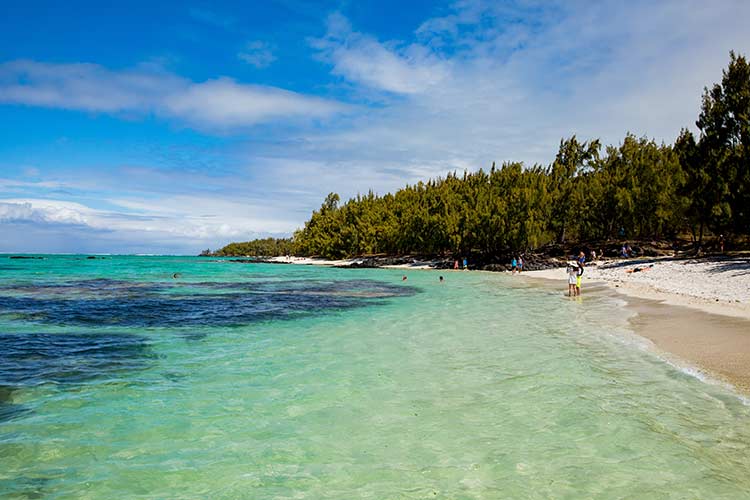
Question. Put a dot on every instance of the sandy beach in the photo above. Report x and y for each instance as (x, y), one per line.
(695, 312)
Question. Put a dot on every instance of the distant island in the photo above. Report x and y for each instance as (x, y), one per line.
(639, 190)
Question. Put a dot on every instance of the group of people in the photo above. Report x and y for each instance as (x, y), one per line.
(465, 264)
(575, 272)
(516, 264)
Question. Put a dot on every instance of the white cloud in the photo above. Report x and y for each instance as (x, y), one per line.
(257, 53)
(215, 103)
(87, 87)
(46, 211)
(225, 103)
(393, 67)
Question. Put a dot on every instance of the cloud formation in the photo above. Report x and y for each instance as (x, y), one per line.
(393, 67)
(148, 89)
(257, 53)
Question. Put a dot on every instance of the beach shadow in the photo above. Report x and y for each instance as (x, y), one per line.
(738, 267)
(617, 264)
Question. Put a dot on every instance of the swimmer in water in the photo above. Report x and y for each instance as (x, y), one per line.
(441, 279)
(403, 278)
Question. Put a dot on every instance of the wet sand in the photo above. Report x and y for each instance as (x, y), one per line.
(718, 345)
(685, 332)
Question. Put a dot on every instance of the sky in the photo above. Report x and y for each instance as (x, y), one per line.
(171, 127)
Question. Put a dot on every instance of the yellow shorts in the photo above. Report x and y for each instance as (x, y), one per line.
(578, 281)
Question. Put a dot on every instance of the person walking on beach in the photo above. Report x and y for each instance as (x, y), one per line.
(455, 264)
(466, 264)
(513, 266)
(520, 263)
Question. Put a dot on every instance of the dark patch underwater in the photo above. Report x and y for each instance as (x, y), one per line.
(180, 304)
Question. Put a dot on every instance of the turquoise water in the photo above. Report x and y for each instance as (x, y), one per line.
(260, 381)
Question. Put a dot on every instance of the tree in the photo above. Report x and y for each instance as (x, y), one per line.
(724, 146)
(573, 159)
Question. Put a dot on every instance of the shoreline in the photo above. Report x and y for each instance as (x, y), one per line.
(701, 337)
(701, 287)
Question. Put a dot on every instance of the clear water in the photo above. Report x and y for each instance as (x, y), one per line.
(262, 381)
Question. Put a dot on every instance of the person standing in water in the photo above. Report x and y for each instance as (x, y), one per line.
(572, 279)
(581, 263)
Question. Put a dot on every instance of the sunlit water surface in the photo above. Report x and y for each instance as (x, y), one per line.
(260, 381)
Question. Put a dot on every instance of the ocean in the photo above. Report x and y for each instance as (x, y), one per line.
(185, 377)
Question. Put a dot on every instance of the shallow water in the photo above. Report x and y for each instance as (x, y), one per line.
(263, 381)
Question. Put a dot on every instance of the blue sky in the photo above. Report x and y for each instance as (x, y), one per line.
(159, 127)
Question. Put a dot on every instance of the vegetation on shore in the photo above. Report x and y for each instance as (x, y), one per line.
(638, 189)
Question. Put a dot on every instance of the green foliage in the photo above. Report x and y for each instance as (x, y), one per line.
(639, 188)
(268, 247)
(724, 149)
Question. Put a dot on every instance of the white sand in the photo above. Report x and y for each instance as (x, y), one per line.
(308, 261)
(715, 286)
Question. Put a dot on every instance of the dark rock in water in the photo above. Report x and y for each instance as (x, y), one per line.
(25, 257)
(8, 410)
(496, 267)
(92, 257)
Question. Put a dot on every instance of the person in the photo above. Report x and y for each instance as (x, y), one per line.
(721, 243)
(466, 264)
(520, 263)
(513, 266)
(593, 255)
(579, 274)
(455, 264)
(628, 250)
(572, 277)
(623, 251)
(639, 269)
(581, 258)
(403, 278)
(441, 279)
